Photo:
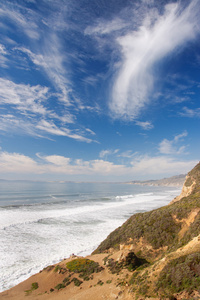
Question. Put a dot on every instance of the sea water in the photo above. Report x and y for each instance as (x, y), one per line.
(42, 223)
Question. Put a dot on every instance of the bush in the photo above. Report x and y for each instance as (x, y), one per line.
(66, 280)
(34, 286)
(132, 262)
(100, 282)
(77, 282)
(59, 286)
(84, 266)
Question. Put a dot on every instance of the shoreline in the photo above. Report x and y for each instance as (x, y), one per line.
(85, 251)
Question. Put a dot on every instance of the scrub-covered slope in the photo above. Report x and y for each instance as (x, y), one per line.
(168, 238)
(165, 228)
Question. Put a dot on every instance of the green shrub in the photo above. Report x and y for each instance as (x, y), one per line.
(108, 281)
(77, 282)
(59, 286)
(34, 286)
(181, 274)
(100, 282)
(66, 280)
(133, 262)
(57, 268)
(84, 266)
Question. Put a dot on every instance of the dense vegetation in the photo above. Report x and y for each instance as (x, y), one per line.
(180, 274)
(157, 227)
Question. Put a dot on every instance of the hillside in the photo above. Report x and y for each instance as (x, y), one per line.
(153, 255)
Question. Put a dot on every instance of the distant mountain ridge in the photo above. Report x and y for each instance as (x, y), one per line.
(177, 180)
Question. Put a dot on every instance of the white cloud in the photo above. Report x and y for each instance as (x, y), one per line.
(127, 154)
(51, 61)
(142, 50)
(190, 113)
(3, 58)
(106, 27)
(57, 160)
(23, 97)
(105, 153)
(90, 131)
(18, 163)
(171, 147)
(160, 166)
(15, 125)
(142, 167)
(31, 115)
(25, 21)
(2, 49)
(50, 127)
(48, 53)
(145, 125)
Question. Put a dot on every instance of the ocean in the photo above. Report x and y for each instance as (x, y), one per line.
(43, 223)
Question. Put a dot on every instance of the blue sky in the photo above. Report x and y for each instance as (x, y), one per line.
(99, 90)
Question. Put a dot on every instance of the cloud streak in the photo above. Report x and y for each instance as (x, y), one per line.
(27, 112)
(143, 49)
(23, 97)
(190, 113)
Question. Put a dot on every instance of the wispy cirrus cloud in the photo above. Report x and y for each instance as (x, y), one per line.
(51, 60)
(26, 21)
(50, 127)
(145, 125)
(3, 58)
(172, 146)
(106, 153)
(45, 47)
(190, 113)
(143, 49)
(27, 112)
(127, 154)
(106, 27)
(11, 124)
(24, 98)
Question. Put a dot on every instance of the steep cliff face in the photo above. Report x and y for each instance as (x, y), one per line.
(191, 184)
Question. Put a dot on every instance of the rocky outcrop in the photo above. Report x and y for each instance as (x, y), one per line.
(186, 191)
(192, 182)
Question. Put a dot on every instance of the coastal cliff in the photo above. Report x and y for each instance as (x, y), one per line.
(153, 255)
